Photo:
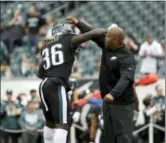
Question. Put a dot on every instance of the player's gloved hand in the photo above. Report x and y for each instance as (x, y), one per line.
(76, 117)
(72, 20)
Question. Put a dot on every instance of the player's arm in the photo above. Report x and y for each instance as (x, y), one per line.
(76, 40)
(127, 73)
(86, 28)
(40, 72)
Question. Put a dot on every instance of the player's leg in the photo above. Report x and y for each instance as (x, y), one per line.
(56, 106)
(44, 92)
(62, 117)
(48, 134)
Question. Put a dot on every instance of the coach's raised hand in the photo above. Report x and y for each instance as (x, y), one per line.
(72, 20)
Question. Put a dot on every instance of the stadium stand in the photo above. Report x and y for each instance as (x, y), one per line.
(133, 17)
(20, 64)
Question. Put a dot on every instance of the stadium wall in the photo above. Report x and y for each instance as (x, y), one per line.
(24, 85)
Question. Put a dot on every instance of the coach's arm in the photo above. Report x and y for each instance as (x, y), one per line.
(127, 73)
(100, 40)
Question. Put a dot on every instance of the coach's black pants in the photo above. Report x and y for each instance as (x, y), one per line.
(118, 123)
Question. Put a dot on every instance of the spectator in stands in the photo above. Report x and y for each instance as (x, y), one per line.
(2, 114)
(147, 104)
(14, 34)
(90, 107)
(96, 103)
(163, 44)
(4, 58)
(46, 30)
(39, 46)
(25, 66)
(3, 54)
(22, 100)
(34, 97)
(159, 98)
(11, 112)
(28, 66)
(17, 19)
(86, 65)
(33, 25)
(158, 117)
(33, 69)
(31, 121)
(131, 44)
(150, 50)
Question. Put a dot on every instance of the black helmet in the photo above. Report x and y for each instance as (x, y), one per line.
(61, 29)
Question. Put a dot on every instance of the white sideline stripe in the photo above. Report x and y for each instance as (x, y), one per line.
(42, 97)
(64, 102)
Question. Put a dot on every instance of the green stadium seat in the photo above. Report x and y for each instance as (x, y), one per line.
(136, 17)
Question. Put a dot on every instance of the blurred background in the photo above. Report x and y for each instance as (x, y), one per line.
(23, 26)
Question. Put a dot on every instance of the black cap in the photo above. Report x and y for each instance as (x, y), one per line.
(9, 91)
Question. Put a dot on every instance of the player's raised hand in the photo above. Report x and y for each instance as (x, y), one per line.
(72, 20)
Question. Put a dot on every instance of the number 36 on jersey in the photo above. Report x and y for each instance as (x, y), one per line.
(52, 56)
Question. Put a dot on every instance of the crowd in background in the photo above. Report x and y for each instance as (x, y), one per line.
(22, 113)
(155, 107)
(22, 119)
(21, 41)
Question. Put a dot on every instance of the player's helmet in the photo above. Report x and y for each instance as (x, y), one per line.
(61, 29)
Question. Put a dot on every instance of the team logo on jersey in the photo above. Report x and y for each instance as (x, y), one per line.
(130, 69)
(113, 58)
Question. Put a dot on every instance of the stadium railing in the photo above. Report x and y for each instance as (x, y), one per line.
(74, 126)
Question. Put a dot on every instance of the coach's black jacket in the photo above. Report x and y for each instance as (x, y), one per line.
(116, 72)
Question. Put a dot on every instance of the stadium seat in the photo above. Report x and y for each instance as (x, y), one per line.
(134, 17)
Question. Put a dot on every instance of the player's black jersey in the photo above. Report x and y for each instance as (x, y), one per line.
(58, 57)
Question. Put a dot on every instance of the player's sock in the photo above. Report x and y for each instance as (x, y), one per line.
(49, 134)
(60, 136)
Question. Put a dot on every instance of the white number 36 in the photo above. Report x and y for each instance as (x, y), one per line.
(53, 58)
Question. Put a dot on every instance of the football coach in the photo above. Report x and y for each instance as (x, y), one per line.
(116, 81)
